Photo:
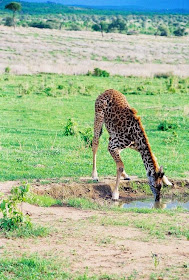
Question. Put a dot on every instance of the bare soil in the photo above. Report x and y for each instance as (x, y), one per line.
(102, 190)
(80, 240)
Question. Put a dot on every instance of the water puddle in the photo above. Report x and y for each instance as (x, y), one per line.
(162, 204)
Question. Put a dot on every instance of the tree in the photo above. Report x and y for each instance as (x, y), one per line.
(102, 27)
(180, 32)
(162, 30)
(14, 7)
(118, 24)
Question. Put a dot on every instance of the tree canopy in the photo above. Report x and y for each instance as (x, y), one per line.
(14, 7)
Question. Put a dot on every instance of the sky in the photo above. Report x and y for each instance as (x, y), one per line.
(161, 4)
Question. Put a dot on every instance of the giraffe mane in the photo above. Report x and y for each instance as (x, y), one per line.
(138, 119)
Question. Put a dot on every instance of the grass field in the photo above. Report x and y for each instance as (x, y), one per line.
(34, 110)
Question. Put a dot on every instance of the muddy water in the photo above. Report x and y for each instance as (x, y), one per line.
(162, 204)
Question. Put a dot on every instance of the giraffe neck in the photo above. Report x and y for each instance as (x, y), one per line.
(148, 158)
(144, 148)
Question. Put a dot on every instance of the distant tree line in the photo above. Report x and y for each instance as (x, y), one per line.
(130, 24)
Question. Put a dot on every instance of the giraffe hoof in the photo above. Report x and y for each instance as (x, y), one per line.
(115, 195)
(95, 180)
(127, 179)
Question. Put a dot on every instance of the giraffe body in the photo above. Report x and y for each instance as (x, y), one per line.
(125, 130)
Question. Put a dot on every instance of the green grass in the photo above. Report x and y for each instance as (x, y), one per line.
(83, 203)
(34, 111)
(42, 200)
(26, 232)
(34, 267)
(169, 223)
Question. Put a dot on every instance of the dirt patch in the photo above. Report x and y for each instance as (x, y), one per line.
(104, 242)
(129, 190)
(80, 240)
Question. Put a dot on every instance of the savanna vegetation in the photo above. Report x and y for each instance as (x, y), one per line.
(57, 16)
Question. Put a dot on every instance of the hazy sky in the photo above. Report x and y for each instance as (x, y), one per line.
(165, 4)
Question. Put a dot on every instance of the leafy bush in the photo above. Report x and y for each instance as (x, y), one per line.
(12, 215)
(9, 21)
(100, 73)
(7, 70)
(74, 26)
(165, 125)
(70, 129)
(60, 87)
(87, 136)
(163, 75)
(162, 30)
(41, 25)
(180, 32)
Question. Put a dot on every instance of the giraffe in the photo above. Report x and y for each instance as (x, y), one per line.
(125, 130)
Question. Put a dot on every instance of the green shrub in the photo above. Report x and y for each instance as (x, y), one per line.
(13, 216)
(180, 32)
(60, 87)
(100, 73)
(9, 21)
(165, 125)
(70, 129)
(42, 25)
(7, 70)
(163, 75)
(87, 136)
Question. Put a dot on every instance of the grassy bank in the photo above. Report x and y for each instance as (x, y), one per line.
(35, 109)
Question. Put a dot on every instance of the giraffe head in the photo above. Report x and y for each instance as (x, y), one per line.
(156, 182)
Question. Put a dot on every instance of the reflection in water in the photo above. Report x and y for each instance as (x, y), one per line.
(150, 203)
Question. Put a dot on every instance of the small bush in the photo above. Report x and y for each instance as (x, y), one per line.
(70, 129)
(74, 27)
(60, 87)
(12, 214)
(100, 73)
(163, 75)
(41, 25)
(87, 136)
(49, 91)
(7, 70)
(9, 21)
(180, 32)
(165, 125)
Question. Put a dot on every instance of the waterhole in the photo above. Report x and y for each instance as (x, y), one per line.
(162, 204)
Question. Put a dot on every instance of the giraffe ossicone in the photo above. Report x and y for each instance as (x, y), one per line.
(126, 131)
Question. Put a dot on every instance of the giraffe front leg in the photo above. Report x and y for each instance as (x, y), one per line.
(115, 153)
(115, 194)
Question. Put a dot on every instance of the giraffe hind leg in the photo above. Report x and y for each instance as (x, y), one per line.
(125, 176)
(98, 123)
